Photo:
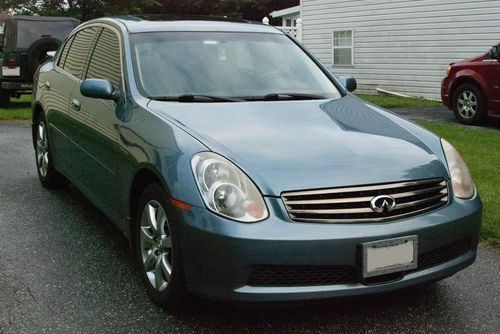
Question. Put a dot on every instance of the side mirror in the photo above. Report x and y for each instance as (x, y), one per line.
(99, 89)
(349, 83)
(494, 53)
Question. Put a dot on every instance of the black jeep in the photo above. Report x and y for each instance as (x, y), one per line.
(26, 41)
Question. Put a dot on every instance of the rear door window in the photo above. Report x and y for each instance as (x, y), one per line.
(79, 51)
(105, 62)
(64, 52)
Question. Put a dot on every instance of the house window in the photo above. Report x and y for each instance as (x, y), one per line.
(343, 45)
(288, 22)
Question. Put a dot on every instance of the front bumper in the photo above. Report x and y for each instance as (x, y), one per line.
(17, 86)
(220, 255)
(445, 97)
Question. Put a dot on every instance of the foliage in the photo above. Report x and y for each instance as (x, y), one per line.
(89, 9)
(390, 102)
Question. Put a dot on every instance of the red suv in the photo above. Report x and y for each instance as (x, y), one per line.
(472, 87)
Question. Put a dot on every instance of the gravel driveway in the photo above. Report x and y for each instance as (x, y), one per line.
(65, 268)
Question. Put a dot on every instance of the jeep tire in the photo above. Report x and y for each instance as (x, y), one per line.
(37, 52)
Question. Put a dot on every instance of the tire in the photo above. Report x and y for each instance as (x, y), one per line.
(37, 52)
(4, 98)
(49, 177)
(468, 104)
(157, 250)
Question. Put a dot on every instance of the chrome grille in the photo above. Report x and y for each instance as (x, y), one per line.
(352, 204)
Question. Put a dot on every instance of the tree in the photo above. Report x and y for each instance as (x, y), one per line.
(89, 9)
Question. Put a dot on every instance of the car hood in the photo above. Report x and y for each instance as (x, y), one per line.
(472, 59)
(295, 145)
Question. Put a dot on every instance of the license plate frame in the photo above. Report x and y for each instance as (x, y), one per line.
(401, 249)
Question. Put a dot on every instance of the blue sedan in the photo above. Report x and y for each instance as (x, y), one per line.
(241, 169)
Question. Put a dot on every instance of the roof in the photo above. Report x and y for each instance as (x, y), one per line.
(286, 11)
(41, 18)
(138, 25)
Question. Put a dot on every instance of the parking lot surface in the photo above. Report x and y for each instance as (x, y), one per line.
(65, 268)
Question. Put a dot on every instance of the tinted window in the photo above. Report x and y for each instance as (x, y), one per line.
(64, 52)
(105, 62)
(244, 65)
(78, 51)
(30, 31)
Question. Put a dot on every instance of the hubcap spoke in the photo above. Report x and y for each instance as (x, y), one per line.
(150, 262)
(160, 281)
(165, 267)
(153, 224)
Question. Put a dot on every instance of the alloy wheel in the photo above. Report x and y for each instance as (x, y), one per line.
(42, 150)
(467, 104)
(156, 245)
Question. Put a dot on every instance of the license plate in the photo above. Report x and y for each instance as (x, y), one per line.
(388, 256)
(11, 72)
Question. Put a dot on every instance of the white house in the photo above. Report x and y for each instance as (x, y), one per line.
(398, 45)
(288, 16)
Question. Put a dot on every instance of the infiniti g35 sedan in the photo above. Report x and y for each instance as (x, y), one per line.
(240, 168)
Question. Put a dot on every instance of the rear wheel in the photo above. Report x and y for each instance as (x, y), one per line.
(49, 177)
(4, 98)
(468, 104)
(158, 251)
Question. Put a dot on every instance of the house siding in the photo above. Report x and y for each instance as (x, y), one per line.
(402, 45)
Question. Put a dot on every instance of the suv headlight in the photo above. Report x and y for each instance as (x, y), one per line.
(461, 181)
(226, 190)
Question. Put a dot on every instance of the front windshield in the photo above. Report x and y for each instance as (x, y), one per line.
(248, 66)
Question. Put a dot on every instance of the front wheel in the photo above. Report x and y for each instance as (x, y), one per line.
(468, 104)
(49, 177)
(158, 251)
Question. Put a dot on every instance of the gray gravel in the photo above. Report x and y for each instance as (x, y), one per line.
(65, 268)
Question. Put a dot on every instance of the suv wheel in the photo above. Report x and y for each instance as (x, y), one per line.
(4, 98)
(468, 104)
(157, 249)
(49, 177)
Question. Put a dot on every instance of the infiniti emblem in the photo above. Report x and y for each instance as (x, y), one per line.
(383, 203)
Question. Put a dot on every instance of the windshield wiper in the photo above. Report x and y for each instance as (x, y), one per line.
(292, 96)
(196, 98)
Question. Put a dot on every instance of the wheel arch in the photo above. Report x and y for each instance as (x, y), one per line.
(37, 110)
(463, 79)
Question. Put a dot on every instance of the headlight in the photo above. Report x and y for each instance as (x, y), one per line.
(226, 190)
(461, 181)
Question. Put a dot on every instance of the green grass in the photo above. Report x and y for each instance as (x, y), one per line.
(389, 102)
(480, 149)
(19, 109)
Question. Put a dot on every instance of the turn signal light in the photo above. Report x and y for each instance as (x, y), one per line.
(180, 205)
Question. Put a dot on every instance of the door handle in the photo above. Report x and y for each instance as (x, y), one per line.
(75, 104)
(47, 85)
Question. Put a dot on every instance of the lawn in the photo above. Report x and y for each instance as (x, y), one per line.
(390, 102)
(480, 149)
(19, 109)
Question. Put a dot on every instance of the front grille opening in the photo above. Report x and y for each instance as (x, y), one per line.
(301, 275)
(286, 276)
(352, 204)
